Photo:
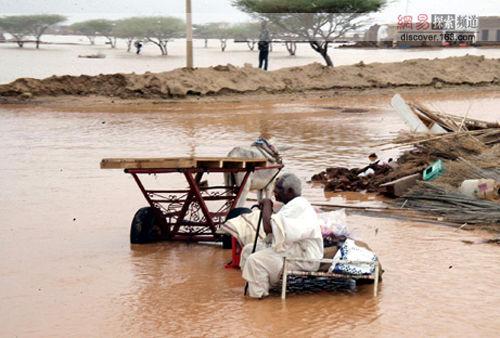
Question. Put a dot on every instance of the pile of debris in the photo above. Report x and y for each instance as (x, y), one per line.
(455, 175)
(339, 179)
(479, 147)
(467, 191)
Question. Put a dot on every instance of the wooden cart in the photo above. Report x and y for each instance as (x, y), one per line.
(183, 214)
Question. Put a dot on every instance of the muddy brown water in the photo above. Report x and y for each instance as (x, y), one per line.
(67, 267)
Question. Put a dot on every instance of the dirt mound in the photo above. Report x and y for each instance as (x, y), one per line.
(453, 71)
(343, 179)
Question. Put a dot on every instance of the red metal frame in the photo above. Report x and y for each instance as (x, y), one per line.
(186, 212)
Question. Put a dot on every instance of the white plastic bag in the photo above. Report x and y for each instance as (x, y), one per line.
(334, 222)
(367, 172)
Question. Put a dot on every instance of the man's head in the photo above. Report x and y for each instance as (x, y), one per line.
(287, 187)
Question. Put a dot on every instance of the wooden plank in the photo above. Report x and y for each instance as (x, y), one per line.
(408, 115)
(453, 122)
(208, 163)
(247, 162)
(400, 186)
(146, 163)
(434, 122)
(230, 164)
(180, 162)
(255, 163)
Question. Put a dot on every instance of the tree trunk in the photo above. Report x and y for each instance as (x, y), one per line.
(19, 39)
(159, 44)
(322, 49)
(38, 35)
(164, 47)
(206, 43)
(112, 41)
(291, 47)
(251, 45)
(223, 44)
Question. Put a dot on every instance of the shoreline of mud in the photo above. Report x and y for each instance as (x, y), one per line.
(222, 82)
(95, 103)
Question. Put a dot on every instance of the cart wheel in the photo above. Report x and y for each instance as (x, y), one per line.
(147, 226)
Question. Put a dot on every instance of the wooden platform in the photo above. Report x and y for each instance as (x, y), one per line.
(182, 163)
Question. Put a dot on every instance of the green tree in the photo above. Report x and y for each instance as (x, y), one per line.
(15, 26)
(22, 26)
(290, 39)
(160, 29)
(214, 30)
(246, 31)
(319, 22)
(96, 27)
(200, 32)
(129, 29)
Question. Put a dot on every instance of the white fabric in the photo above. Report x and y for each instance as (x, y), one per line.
(296, 233)
(350, 251)
(244, 227)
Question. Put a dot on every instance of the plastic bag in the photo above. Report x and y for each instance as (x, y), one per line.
(334, 222)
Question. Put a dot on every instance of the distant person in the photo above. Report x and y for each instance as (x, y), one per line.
(138, 46)
(264, 41)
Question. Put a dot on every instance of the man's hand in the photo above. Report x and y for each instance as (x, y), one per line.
(266, 207)
(265, 203)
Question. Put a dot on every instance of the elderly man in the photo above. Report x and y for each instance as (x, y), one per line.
(293, 231)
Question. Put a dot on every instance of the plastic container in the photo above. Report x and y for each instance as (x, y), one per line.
(483, 188)
(433, 171)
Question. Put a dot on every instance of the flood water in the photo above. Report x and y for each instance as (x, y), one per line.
(62, 59)
(68, 268)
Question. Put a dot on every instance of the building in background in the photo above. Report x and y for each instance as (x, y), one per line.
(382, 36)
(489, 30)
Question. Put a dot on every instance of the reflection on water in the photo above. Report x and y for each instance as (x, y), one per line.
(67, 265)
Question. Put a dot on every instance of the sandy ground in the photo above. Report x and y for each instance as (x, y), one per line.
(229, 81)
(345, 97)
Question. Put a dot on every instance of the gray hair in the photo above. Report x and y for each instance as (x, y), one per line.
(290, 181)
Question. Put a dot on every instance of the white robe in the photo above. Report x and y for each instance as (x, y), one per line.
(296, 233)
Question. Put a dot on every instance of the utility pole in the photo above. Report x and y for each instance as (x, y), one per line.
(189, 35)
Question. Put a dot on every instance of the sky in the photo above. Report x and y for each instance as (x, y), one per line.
(221, 10)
